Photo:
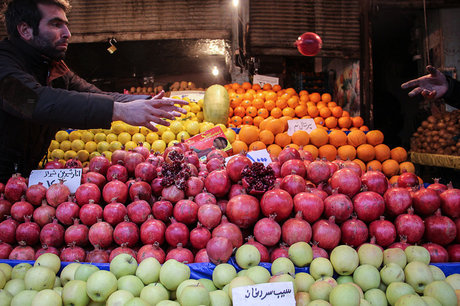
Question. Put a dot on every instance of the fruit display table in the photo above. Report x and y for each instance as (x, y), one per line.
(204, 270)
(437, 160)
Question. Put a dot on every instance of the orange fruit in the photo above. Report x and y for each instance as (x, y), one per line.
(344, 122)
(346, 152)
(399, 154)
(293, 101)
(382, 152)
(239, 146)
(267, 86)
(248, 120)
(345, 114)
(374, 165)
(360, 164)
(258, 103)
(266, 137)
(257, 145)
(325, 112)
(240, 91)
(312, 149)
(269, 105)
(235, 86)
(276, 112)
(315, 97)
(230, 112)
(246, 103)
(406, 167)
(281, 103)
(357, 121)
(390, 167)
(257, 120)
(327, 151)
(239, 111)
(246, 85)
(330, 122)
(282, 139)
(248, 96)
(288, 111)
(364, 128)
(235, 102)
(365, 152)
(337, 138)
(374, 137)
(265, 123)
(318, 137)
(256, 86)
(319, 121)
(270, 96)
(263, 112)
(313, 111)
(393, 180)
(303, 92)
(331, 104)
(301, 138)
(276, 126)
(237, 120)
(274, 150)
(326, 97)
(300, 111)
(276, 87)
(249, 134)
(251, 111)
(337, 111)
(356, 138)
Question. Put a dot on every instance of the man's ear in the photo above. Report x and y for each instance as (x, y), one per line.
(25, 31)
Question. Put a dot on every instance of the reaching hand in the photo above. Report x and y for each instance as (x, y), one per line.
(147, 112)
(431, 86)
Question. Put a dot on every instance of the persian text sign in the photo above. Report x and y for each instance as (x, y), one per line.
(306, 125)
(259, 156)
(70, 177)
(268, 294)
(264, 79)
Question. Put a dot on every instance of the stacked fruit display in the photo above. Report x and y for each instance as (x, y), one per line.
(368, 276)
(170, 205)
(438, 134)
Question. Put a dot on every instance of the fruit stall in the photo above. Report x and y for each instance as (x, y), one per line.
(329, 210)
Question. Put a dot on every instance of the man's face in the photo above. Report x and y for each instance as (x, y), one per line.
(53, 32)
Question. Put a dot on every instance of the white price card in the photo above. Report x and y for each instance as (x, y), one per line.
(268, 294)
(264, 79)
(306, 125)
(70, 177)
(259, 156)
(193, 95)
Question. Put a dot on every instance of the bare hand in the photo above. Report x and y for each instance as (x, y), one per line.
(147, 112)
(430, 86)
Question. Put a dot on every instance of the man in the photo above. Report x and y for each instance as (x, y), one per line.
(435, 85)
(39, 95)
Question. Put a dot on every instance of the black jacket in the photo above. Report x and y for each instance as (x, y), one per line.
(452, 96)
(38, 97)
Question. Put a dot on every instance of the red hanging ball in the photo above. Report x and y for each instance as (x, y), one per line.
(309, 44)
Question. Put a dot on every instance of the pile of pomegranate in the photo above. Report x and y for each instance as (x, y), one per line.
(173, 205)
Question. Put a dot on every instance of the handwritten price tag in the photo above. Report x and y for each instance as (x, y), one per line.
(193, 95)
(48, 177)
(307, 125)
(264, 79)
(269, 294)
(260, 156)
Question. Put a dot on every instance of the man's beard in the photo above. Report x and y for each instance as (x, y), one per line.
(45, 47)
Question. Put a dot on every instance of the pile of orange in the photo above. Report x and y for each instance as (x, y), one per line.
(251, 104)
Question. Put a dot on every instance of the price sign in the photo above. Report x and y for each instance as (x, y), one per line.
(193, 95)
(70, 177)
(264, 79)
(260, 156)
(307, 125)
(269, 294)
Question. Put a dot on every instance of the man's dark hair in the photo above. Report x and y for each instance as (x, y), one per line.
(17, 11)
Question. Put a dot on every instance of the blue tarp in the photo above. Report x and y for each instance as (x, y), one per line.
(204, 270)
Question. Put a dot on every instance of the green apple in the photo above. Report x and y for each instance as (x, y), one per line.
(281, 278)
(5, 298)
(47, 297)
(219, 297)
(320, 290)
(68, 272)
(395, 255)
(300, 253)
(302, 298)
(186, 283)
(454, 280)
(363, 302)
(136, 301)
(39, 278)
(345, 295)
(149, 270)
(321, 267)
(370, 254)
(247, 256)
(6, 269)
(3, 280)
(242, 273)
(19, 270)
(172, 273)
(392, 272)
(418, 275)
(417, 253)
(367, 277)
(120, 297)
(303, 281)
(344, 259)
(194, 295)
(258, 274)
(441, 291)
(23, 298)
(131, 283)
(410, 300)
(208, 284)
(396, 290)
(58, 290)
(14, 286)
(49, 260)
(376, 297)
(431, 301)
(437, 273)
(223, 275)
(101, 285)
(282, 265)
(318, 303)
(123, 264)
(168, 303)
(74, 293)
(154, 293)
(239, 281)
(343, 279)
(84, 271)
(57, 282)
